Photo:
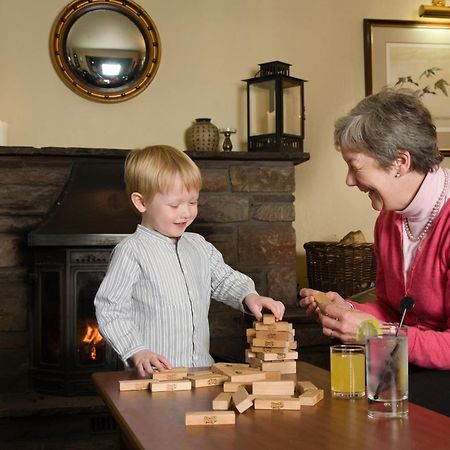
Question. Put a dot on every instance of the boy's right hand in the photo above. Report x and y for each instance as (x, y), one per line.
(145, 361)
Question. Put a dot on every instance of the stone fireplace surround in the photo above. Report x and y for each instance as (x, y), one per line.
(246, 210)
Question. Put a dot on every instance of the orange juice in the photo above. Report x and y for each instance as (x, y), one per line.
(347, 369)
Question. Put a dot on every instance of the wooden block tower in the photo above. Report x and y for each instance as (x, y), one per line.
(272, 346)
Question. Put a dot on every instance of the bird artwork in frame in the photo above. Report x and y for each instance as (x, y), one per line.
(412, 55)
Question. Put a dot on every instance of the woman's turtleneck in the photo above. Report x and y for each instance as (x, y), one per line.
(418, 212)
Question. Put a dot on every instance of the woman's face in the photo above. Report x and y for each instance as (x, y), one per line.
(380, 184)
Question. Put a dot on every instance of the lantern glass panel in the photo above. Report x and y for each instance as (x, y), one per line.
(262, 108)
(292, 109)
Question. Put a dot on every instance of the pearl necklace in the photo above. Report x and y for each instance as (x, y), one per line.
(433, 214)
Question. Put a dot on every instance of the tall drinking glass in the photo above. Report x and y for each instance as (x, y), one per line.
(387, 373)
(347, 371)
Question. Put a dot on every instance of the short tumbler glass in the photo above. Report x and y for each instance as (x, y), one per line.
(387, 373)
(347, 371)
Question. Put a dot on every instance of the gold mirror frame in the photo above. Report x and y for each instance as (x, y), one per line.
(64, 65)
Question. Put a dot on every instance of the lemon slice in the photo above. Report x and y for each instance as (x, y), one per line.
(366, 329)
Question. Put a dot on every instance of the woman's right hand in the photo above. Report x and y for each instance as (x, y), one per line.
(309, 304)
(145, 361)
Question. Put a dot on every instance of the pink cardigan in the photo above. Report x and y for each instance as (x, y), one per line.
(428, 284)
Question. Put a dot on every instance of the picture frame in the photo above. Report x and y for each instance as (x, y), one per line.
(415, 55)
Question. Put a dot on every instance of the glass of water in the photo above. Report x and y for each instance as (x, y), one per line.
(387, 373)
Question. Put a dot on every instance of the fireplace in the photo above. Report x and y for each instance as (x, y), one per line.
(71, 251)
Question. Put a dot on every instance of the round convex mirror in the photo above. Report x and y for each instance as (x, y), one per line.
(105, 50)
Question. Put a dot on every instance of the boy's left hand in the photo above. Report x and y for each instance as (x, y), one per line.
(256, 303)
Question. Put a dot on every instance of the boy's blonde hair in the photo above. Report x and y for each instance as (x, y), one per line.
(152, 169)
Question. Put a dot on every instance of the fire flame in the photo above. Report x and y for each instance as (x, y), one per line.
(92, 337)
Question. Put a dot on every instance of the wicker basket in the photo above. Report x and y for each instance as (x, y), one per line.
(343, 268)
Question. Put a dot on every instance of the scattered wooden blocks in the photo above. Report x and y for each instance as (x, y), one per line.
(209, 380)
(210, 418)
(228, 386)
(222, 401)
(134, 385)
(282, 387)
(311, 397)
(277, 402)
(242, 399)
(175, 385)
(177, 373)
(303, 386)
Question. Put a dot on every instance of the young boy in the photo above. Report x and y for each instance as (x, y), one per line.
(152, 306)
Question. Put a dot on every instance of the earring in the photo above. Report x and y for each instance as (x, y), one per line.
(397, 175)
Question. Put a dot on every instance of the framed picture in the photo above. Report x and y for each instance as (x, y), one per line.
(414, 55)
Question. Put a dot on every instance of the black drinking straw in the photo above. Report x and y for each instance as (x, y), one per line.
(406, 305)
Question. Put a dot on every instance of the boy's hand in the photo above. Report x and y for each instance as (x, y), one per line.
(145, 361)
(256, 303)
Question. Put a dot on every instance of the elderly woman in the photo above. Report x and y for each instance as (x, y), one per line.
(389, 144)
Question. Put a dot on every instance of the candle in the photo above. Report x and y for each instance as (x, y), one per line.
(270, 122)
(3, 133)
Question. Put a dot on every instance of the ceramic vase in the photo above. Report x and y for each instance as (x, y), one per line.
(202, 135)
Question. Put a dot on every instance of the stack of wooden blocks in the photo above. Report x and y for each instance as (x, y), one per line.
(272, 346)
(257, 383)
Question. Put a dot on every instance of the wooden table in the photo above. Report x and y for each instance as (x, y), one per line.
(156, 421)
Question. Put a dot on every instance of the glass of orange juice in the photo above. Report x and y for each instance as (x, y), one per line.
(347, 371)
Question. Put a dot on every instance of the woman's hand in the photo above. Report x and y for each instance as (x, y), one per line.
(256, 303)
(145, 361)
(310, 305)
(341, 323)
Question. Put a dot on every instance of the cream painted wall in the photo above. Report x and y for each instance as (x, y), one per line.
(208, 47)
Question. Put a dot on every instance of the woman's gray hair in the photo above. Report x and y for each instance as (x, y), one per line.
(385, 123)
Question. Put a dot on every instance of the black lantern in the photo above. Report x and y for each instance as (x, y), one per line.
(275, 109)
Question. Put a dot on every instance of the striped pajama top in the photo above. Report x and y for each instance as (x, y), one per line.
(156, 296)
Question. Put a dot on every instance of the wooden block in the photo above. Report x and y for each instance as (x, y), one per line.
(249, 355)
(222, 401)
(311, 397)
(175, 385)
(255, 363)
(210, 418)
(248, 377)
(322, 298)
(270, 343)
(273, 376)
(277, 402)
(242, 400)
(214, 380)
(268, 319)
(303, 386)
(177, 373)
(227, 368)
(277, 326)
(284, 367)
(250, 332)
(270, 356)
(274, 335)
(292, 345)
(199, 373)
(282, 387)
(134, 385)
(228, 386)
(269, 349)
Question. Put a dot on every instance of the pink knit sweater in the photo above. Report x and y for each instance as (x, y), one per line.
(428, 284)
